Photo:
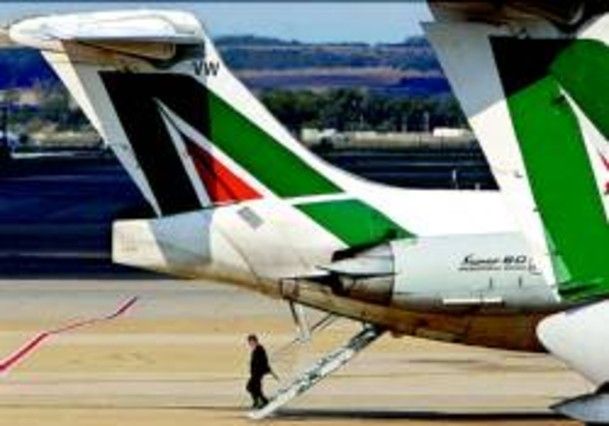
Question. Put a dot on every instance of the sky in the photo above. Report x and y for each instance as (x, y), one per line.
(308, 22)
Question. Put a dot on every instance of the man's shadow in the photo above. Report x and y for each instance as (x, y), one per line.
(431, 415)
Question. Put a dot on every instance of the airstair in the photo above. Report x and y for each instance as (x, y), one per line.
(319, 371)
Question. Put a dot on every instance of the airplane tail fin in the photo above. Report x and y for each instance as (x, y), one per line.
(536, 99)
(188, 132)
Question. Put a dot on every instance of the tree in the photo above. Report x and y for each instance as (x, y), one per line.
(351, 109)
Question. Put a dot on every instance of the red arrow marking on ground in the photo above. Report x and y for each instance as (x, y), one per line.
(10, 361)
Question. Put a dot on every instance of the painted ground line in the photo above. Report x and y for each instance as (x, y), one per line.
(28, 348)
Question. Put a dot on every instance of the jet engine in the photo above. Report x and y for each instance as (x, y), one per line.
(485, 271)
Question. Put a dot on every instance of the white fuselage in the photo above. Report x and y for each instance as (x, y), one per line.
(467, 254)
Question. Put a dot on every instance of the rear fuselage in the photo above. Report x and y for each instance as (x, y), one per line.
(470, 287)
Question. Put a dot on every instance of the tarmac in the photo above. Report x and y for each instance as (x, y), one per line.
(177, 355)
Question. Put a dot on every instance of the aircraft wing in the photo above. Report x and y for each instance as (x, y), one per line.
(119, 26)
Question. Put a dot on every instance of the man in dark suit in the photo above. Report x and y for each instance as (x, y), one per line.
(259, 367)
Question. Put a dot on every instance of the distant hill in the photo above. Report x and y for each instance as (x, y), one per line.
(252, 40)
(401, 68)
(250, 52)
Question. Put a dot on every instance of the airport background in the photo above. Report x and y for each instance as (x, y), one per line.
(383, 111)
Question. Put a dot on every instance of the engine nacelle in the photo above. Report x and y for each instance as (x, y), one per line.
(367, 276)
(467, 271)
(447, 273)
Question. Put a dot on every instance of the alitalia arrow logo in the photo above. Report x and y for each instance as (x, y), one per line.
(221, 184)
(228, 157)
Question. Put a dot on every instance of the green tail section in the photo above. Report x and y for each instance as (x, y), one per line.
(553, 148)
(271, 163)
(354, 222)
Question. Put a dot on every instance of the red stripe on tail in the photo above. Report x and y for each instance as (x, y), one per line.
(221, 184)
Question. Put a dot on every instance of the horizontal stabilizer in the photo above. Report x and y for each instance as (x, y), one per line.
(141, 26)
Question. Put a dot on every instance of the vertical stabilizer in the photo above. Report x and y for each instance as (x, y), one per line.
(536, 100)
(189, 133)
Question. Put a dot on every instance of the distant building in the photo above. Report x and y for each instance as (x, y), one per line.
(451, 132)
(310, 136)
(441, 137)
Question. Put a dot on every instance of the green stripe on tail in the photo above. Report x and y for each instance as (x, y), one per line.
(557, 164)
(354, 222)
(275, 166)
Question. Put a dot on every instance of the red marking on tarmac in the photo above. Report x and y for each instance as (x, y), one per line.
(28, 348)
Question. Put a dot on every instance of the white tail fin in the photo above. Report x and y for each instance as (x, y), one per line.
(189, 133)
(536, 99)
